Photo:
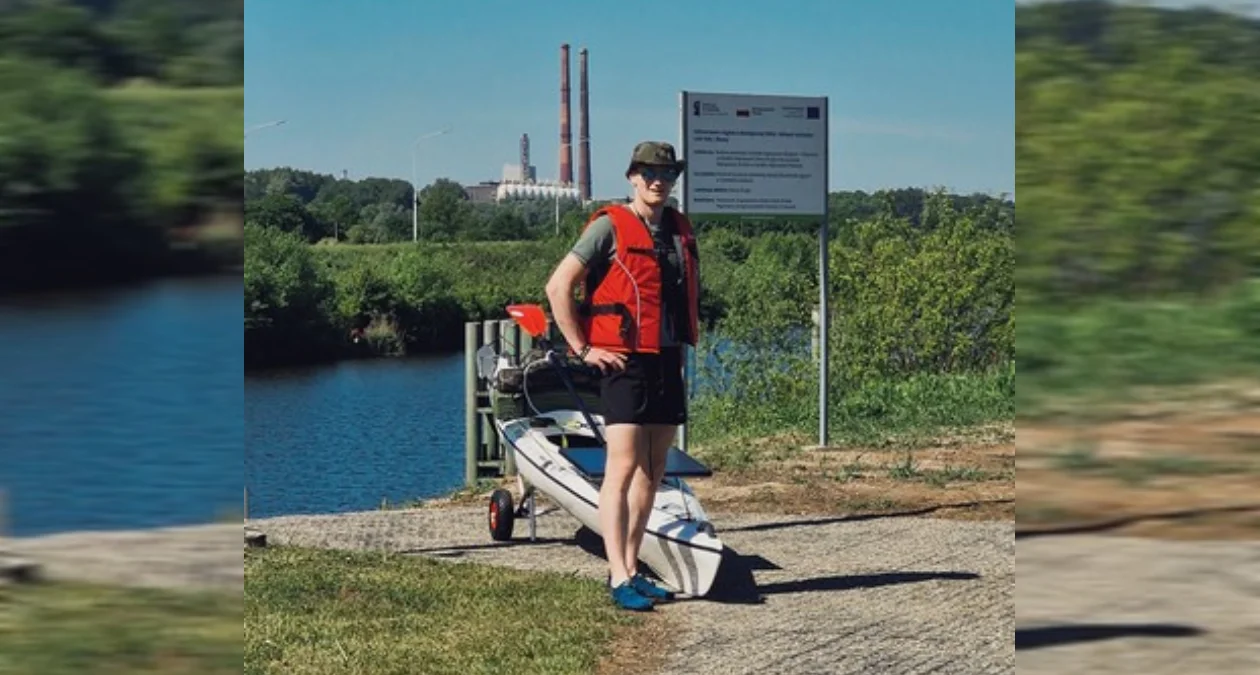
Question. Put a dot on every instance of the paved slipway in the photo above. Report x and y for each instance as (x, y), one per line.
(814, 594)
(1091, 604)
(198, 557)
(801, 595)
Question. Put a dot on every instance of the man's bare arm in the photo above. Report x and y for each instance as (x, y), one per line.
(564, 311)
(560, 297)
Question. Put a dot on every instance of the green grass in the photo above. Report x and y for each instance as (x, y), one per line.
(59, 628)
(312, 611)
(908, 470)
(1043, 514)
(907, 413)
(1094, 360)
(1084, 460)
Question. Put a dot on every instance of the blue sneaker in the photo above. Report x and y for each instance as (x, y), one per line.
(627, 598)
(648, 589)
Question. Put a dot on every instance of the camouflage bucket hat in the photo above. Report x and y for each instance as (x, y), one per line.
(655, 153)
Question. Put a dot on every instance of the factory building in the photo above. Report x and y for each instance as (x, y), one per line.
(520, 180)
(551, 190)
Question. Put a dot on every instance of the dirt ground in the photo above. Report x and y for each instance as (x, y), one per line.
(1138, 541)
(953, 480)
(970, 478)
(1175, 476)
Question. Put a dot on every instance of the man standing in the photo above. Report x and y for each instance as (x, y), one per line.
(638, 267)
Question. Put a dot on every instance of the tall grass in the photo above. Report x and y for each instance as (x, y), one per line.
(1110, 351)
(760, 396)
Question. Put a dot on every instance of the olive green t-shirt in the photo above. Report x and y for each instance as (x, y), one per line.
(597, 245)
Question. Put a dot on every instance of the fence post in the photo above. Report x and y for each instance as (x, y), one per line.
(472, 429)
(489, 438)
(510, 336)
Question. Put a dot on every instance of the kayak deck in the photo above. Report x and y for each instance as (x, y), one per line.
(590, 461)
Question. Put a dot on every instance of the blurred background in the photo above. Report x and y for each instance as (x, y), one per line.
(1138, 423)
(120, 362)
(1138, 174)
(120, 258)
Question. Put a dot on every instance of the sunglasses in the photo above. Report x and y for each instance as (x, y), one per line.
(651, 173)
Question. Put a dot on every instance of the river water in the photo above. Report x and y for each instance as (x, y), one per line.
(349, 436)
(128, 408)
(121, 408)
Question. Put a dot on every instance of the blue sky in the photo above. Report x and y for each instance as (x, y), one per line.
(921, 91)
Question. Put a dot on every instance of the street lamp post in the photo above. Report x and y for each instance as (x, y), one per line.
(415, 190)
(256, 127)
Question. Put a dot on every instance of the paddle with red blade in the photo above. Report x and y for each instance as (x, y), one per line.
(533, 320)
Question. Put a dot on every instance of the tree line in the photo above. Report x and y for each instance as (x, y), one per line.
(1138, 171)
(309, 301)
(121, 127)
(182, 43)
(378, 210)
(1138, 150)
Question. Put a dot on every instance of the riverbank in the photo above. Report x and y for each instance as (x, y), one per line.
(911, 523)
(783, 575)
(939, 524)
(131, 602)
(213, 249)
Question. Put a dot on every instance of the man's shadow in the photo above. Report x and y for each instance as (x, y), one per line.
(736, 585)
(1067, 634)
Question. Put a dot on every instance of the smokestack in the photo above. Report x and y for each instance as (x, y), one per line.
(566, 138)
(584, 130)
(524, 157)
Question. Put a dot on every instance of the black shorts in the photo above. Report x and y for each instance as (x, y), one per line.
(649, 391)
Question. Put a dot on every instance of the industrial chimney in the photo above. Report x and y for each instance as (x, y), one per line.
(566, 137)
(584, 130)
(524, 158)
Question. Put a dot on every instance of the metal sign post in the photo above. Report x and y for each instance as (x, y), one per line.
(760, 157)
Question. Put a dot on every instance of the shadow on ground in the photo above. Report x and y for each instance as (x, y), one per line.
(735, 583)
(761, 527)
(455, 551)
(1124, 521)
(1068, 634)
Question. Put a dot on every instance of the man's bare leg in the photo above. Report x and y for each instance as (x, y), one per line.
(624, 441)
(643, 488)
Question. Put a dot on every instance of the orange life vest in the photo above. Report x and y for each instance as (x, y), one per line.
(623, 313)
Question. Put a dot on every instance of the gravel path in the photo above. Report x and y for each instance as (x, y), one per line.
(813, 595)
(196, 557)
(803, 595)
(1120, 605)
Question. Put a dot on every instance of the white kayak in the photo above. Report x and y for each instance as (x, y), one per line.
(679, 545)
(558, 452)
